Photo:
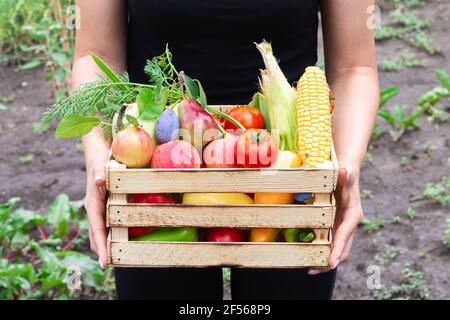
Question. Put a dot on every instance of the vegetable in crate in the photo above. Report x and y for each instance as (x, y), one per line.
(225, 235)
(314, 119)
(280, 99)
(216, 198)
(263, 235)
(249, 117)
(176, 154)
(171, 234)
(256, 148)
(286, 159)
(147, 198)
(298, 235)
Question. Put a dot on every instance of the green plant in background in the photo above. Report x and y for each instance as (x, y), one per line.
(447, 234)
(411, 213)
(404, 60)
(433, 99)
(387, 255)
(40, 258)
(371, 226)
(439, 192)
(398, 119)
(411, 287)
(34, 33)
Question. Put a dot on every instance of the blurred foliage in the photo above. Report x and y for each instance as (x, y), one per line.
(40, 256)
(36, 33)
(411, 287)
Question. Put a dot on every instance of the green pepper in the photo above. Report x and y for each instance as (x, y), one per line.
(171, 234)
(299, 235)
(306, 236)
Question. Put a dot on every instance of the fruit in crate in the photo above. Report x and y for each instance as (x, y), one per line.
(148, 125)
(197, 126)
(133, 147)
(256, 148)
(225, 235)
(249, 117)
(221, 153)
(167, 127)
(176, 154)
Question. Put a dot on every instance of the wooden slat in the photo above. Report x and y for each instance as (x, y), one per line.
(252, 255)
(220, 180)
(258, 216)
(321, 234)
(118, 234)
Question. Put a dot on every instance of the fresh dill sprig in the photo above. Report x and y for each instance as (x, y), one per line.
(107, 95)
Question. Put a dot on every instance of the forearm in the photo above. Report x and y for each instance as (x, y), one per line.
(356, 94)
(95, 146)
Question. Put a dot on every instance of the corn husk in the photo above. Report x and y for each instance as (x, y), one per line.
(281, 100)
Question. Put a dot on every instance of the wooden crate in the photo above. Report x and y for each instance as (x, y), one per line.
(121, 215)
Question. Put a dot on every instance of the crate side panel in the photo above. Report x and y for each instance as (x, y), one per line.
(286, 216)
(256, 255)
(181, 181)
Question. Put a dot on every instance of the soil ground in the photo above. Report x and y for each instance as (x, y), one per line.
(58, 168)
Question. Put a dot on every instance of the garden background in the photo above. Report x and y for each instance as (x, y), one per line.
(44, 250)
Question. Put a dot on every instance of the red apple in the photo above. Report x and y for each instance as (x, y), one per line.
(176, 154)
(133, 147)
(221, 153)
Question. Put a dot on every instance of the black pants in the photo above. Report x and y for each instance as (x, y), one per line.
(206, 284)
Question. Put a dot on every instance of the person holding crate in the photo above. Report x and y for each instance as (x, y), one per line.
(213, 41)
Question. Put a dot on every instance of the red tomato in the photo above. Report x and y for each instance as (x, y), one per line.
(136, 232)
(151, 198)
(256, 148)
(147, 198)
(225, 235)
(249, 117)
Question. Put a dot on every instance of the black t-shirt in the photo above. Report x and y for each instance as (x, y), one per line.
(213, 40)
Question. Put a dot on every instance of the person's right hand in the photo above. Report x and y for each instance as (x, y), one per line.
(96, 156)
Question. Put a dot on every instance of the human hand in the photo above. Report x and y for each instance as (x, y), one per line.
(349, 214)
(96, 156)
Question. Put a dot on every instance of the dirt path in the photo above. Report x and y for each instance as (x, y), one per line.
(58, 167)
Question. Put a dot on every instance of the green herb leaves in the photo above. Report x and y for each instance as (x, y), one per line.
(151, 104)
(194, 90)
(73, 125)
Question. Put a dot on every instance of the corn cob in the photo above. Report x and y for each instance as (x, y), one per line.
(314, 120)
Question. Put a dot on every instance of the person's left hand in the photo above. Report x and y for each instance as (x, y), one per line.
(349, 214)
